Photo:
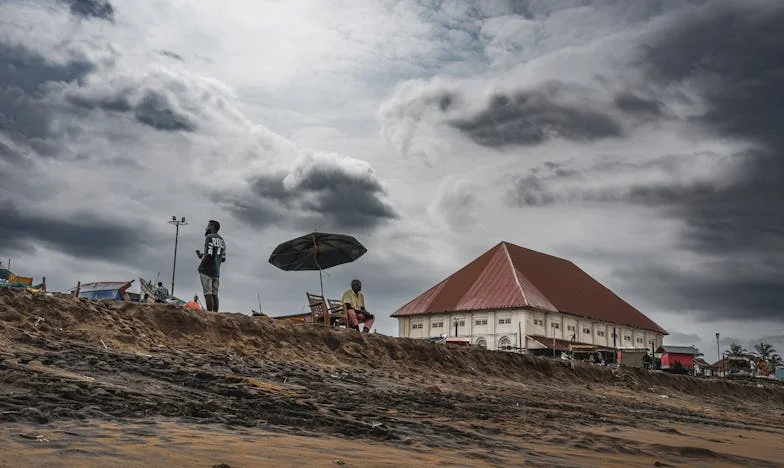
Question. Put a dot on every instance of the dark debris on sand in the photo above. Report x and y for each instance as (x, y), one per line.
(65, 358)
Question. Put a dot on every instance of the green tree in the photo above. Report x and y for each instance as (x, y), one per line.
(765, 350)
(736, 350)
(768, 354)
(775, 360)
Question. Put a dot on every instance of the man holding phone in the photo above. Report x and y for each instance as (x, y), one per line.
(209, 268)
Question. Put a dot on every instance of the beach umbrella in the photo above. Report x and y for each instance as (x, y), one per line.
(316, 251)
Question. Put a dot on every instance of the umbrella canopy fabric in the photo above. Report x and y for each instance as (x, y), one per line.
(316, 251)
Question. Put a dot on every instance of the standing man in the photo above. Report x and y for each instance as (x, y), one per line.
(209, 268)
(354, 303)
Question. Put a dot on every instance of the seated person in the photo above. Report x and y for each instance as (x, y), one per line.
(354, 304)
(161, 293)
(194, 304)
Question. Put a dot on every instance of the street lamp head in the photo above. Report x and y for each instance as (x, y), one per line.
(174, 218)
(183, 219)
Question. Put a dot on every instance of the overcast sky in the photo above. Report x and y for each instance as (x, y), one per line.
(641, 140)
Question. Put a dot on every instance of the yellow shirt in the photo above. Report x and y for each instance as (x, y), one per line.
(356, 300)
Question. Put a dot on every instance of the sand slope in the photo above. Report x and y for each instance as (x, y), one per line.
(208, 389)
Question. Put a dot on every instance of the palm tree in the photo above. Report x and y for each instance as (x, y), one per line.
(736, 350)
(775, 360)
(765, 350)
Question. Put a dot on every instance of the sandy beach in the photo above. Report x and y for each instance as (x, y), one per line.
(107, 384)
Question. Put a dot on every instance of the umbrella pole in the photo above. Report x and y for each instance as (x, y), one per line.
(324, 300)
(321, 283)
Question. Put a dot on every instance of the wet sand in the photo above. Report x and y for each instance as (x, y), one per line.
(160, 441)
(96, 384)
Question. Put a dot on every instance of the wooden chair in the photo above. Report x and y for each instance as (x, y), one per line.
(336, 304)
(341, 318)
(321, 311)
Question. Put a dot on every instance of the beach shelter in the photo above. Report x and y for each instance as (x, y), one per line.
(316, 251)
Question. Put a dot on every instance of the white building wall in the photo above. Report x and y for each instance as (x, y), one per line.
(417, 327)
(403, 330)
(570, 327)
(492, 326)
(628, 338)
(555, 325)
(521, 326)
(536, 323)
(600, 334)
(505, 328)
(639, 339)
(439, 325)
(585, 331)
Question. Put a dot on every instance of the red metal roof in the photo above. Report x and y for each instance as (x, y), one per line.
(509, 276)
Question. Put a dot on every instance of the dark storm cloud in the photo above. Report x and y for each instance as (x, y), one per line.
(116, 103)
(11, 155)
(720, 290)
(676, 337)
(536, 116)
(325, 195)
(81, 235)
(532, 191)
(28, 71)
(153, 109)
(26, 108)
(266, 206)
(729, 53)
(99, 9)
(634, 104)
(25, 75)
(557, 183)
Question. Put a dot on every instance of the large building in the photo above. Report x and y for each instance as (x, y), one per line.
(511, 297)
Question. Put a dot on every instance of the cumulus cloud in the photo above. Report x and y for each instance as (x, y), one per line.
(322, 190)
(157, 100)
(501, 116)
(635, 104)
(722, 86)
(663, 181)
(25, 79)
(532, 117)
(549, 124)
(116, 144)
(704, 289)
(735, 71)
(99, 9)
(80, 234)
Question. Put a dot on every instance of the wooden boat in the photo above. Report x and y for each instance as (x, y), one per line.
(104, 290)
(148, 287)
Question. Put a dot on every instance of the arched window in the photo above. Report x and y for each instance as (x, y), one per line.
(481, 343)
(504, 344)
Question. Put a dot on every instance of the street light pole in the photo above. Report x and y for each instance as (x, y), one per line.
(718, 348)
(177, 223)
